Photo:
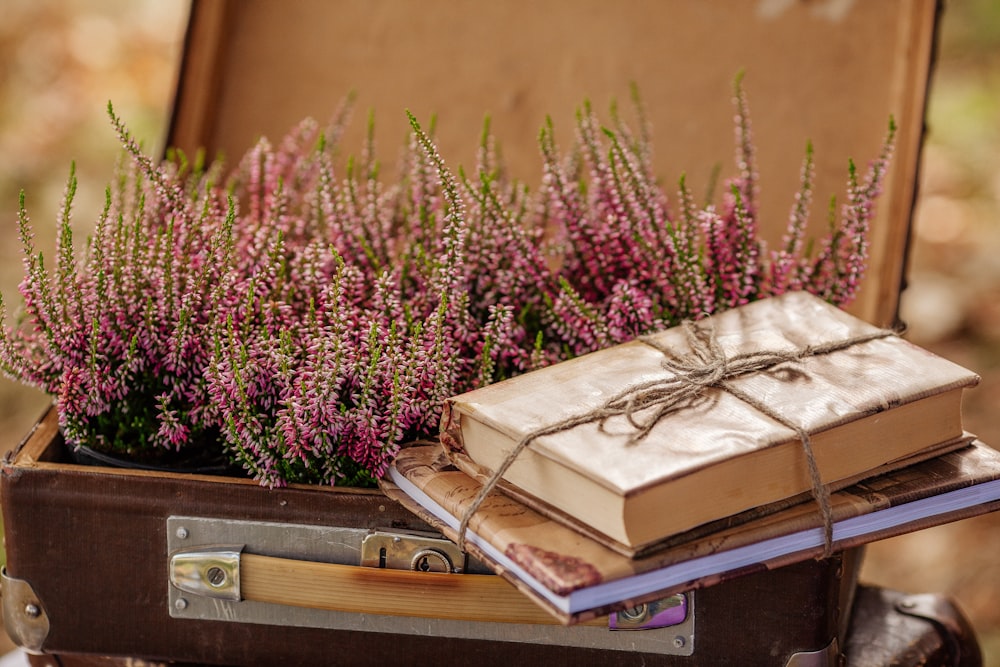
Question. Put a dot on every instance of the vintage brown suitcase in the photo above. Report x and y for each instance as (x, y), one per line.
(89, 548)
(90, 562)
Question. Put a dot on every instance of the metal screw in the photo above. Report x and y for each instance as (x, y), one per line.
(635, 614)
(182, 533)
(32, 610)
(181, 604)
(216, 576)
(679, 642)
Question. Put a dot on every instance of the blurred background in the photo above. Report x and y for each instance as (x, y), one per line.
(61, 62)
(952, 304)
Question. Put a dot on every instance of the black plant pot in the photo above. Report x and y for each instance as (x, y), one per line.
(200, 464)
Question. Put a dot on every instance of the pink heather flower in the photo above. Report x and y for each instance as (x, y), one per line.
(836, 272)
(746, 181)
(784, 274)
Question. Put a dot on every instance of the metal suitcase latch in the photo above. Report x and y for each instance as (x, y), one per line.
(411, 550)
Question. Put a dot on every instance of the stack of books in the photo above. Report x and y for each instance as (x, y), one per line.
(676, 489)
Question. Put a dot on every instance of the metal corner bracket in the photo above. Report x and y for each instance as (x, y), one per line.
(24, 617)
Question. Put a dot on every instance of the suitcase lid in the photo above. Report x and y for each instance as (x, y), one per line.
(829, 71)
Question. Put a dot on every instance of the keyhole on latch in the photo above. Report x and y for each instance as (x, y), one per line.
(430, 560)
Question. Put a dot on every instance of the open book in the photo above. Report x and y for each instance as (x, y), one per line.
(576, 577)
(868, 400)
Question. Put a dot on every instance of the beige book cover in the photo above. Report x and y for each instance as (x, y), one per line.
(577, 578)
(734, 445)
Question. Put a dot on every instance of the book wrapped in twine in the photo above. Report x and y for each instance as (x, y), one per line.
(723, 391)
(644, 404)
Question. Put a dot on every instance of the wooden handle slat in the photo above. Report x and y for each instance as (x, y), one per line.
(369, 590)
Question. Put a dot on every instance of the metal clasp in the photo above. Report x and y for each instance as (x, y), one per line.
(210, 571)
(411, 550)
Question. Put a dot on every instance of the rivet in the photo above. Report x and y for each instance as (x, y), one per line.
(181, 604)
(32, 610)
(908, 604)
(679, 642)
(182, 533)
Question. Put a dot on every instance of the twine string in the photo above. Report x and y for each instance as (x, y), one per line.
(644, 404)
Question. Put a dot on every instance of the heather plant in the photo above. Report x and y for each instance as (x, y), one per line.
(117, 336)
(348, 342)
(308, 318)
(631, 265)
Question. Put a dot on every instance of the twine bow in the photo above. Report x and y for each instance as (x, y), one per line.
(644, 404)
